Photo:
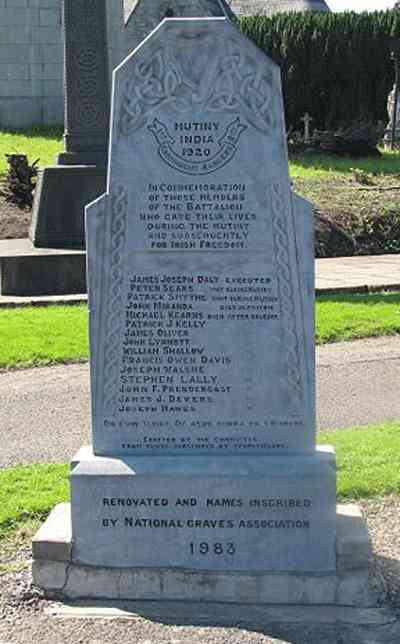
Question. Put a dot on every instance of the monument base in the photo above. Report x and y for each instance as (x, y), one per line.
(29, 271)
(246, 513)
(61, 195)
(351, 584)
(251, 529)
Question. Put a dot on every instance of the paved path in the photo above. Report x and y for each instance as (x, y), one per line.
(358, 383)
(44, 413)
(358, 273)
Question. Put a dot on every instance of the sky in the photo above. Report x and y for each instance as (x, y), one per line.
(360, 5)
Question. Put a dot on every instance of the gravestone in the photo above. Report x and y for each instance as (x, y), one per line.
(64, 190)
(204, 481)
(392, 127)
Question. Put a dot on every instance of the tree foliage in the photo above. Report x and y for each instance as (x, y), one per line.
(336, 66)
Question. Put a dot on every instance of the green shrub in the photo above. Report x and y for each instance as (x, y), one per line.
(335, 66)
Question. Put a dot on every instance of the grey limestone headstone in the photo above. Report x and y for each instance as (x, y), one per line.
(201, 314)
(201, 286)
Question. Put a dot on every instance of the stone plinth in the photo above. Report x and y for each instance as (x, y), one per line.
(248, 514)
(26, 270)
(55, 570)
(60, 198)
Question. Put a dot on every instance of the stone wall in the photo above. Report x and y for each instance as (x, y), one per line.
(31, 60)
(30, 63)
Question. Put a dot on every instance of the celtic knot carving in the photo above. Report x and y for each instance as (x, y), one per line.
(228, 80)
(86, 67)
(280, 217)
(119, 208)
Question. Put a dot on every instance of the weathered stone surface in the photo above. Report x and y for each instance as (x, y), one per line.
(236, 513)
(58, 209)
(74, 580)
(51, 575)
(53, 539)
(86, 83)
(26, 270)
(201, 307)
(353, 543)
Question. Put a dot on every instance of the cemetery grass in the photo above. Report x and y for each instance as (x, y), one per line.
(37, 143)
(45, 142)
(39, 336)
(359, 196)
(368, 463)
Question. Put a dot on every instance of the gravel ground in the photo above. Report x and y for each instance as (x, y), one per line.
(23, 619)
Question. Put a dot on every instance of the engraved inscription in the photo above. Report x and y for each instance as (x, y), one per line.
(213, 519)
(199, 216)
(193, 154)
(163, 354)
(202, 348)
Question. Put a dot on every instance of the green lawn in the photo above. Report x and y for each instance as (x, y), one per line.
(45, 143)
(346, 317)
(28, 492)
(325, 166)
(56, 334)
(37, 143)
(43, 335)
(368, 460)
(368, 463)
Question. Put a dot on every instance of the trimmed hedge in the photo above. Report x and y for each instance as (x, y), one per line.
(336, 66)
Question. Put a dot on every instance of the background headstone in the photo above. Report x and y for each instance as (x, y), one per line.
(391, 126)
(62, 192)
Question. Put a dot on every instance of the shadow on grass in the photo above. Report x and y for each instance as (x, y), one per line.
(388, 163)
(361, 298)
(44, 132)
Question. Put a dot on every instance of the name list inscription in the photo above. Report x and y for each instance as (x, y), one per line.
(172, 381)
(203, 363)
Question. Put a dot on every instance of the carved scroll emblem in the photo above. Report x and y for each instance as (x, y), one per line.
(197, 159)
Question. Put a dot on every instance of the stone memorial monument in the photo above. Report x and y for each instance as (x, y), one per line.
(392, 132)
(64, 190)
(204, 481)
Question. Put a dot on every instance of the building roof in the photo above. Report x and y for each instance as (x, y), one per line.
(269, 7)
(242, 7)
